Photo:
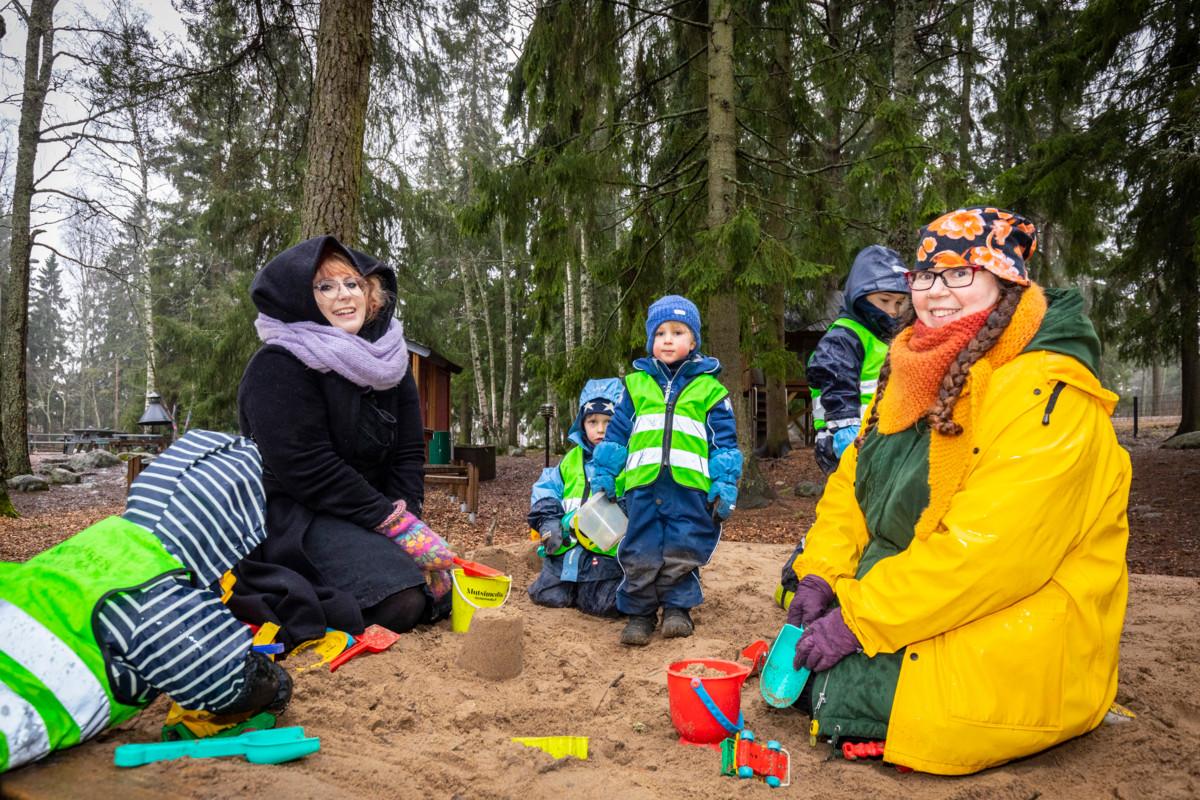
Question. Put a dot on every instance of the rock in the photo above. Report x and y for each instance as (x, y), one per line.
(808, 489)
(517, 452)
(494, 648)
(1184, 441)
(63, 476)
(28, 483)
(93, 459)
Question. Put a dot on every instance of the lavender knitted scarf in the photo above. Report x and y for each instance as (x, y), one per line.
(379, 365)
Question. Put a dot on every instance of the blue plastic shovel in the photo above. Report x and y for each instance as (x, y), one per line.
(259, 747)
(780, 682)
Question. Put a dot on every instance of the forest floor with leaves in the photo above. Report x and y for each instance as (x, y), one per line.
(1164, 506)
(414, 722)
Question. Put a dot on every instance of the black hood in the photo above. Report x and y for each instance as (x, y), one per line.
(283, 289)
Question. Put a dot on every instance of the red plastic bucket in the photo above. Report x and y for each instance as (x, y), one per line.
(695, 723)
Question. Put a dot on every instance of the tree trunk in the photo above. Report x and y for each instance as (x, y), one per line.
(486, 306)
(966, 68)
(776, 442)
(508, 419)
(902, 197)
(143, 302)
(6, 506)
(485, 413)
(587, 292)
(1156, 390)
(1189, 351)
(39, 63)
(341, 89)
(568, 306)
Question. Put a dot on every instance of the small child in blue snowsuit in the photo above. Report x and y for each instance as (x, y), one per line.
(675, 439)
(576, 571)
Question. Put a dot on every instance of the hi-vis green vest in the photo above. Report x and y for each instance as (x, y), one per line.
(874, 353)
(575, 487)
(670, 434)
(54, 690)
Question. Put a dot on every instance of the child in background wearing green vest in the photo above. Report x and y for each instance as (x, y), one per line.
(97, 626)
(844, 368)
(576, 572)
(674, 438)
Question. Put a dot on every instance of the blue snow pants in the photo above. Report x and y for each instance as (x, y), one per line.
(671, 534)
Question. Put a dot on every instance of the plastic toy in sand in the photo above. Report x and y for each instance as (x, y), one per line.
(327, 648)
(473, 592)
(704, 706)
(744, 757)
(852, 751)
(258, 747)
(183, 724)
(781, 683)
(375, 639)
(557, 746)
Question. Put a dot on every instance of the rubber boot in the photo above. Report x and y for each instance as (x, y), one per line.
(639, 630)
(677, 623)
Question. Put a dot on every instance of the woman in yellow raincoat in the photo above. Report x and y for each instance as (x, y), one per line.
(964, 586)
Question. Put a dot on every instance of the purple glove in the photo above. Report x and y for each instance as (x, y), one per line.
(825, 642)
(812, 597)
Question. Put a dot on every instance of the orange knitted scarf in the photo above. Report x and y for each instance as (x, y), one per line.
(906, 397)
(920, 357)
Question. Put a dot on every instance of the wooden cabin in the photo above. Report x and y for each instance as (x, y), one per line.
(432, 372)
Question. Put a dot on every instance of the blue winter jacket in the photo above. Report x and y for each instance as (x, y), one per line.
(545, 502)
(720, 425)
(835, 364)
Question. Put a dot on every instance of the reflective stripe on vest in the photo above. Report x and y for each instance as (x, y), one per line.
(575, 487)
(672, 434)
(874, 353)
(50, 663)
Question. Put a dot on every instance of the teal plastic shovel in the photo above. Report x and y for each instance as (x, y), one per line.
(780, 682)
(259, 747)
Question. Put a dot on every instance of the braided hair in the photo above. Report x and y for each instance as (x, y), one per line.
(940, 415)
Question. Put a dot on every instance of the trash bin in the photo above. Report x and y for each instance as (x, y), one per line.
(439, 448)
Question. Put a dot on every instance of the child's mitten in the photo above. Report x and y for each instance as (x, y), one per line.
(429, 550)
(843, 438)
(725, 495)
(608, 460)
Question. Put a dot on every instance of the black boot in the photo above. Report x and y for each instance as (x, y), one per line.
(677, 623)
(639, 630)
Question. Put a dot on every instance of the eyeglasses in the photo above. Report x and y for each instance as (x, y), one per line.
(954, 278)
(329, 288)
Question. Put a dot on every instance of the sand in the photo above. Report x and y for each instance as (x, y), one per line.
(411, 722)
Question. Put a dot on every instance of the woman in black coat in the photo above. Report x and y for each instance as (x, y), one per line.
(335, 412)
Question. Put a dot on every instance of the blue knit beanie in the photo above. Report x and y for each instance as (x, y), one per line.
(672, 308)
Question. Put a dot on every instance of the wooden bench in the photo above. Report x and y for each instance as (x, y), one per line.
(463, 481)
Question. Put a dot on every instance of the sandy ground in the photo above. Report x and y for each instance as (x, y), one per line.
(411, 723)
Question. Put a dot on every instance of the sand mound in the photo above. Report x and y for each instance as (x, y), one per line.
(412, 722)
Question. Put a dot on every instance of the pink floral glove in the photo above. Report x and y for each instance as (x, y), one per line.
(429, 550)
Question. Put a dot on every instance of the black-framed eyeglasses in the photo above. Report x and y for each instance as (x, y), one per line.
(954, 277)
(328, 288)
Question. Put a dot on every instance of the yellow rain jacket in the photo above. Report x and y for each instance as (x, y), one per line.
(1009, 614)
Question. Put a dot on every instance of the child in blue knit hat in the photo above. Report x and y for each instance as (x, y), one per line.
(673, 441)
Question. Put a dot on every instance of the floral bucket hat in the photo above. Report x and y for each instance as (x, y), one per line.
(997, 240)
